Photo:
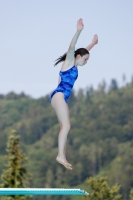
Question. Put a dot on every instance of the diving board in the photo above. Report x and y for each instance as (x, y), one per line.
(41, 191)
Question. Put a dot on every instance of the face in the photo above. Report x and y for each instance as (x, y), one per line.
(83, 59)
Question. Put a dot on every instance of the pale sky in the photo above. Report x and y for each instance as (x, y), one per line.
(34, 33)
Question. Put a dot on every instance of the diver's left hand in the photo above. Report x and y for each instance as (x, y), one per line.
(95, 39)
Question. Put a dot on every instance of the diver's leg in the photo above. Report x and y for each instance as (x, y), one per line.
(62, 112)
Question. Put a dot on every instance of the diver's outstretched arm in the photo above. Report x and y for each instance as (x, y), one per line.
(93, 43)
(71, 50)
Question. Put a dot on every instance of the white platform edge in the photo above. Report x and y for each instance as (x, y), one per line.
(32, 190)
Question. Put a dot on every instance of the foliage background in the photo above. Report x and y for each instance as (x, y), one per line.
(100, 141)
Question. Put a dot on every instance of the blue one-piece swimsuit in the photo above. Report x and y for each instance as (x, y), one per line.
(68, 78)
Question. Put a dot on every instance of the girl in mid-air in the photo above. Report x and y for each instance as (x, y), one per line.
(59, 98)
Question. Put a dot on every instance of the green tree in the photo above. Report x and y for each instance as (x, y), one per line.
(15, 175)
(114, 85)
(131, 194)
(101, 190)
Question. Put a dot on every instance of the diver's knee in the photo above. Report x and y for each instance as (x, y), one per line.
(66, 126)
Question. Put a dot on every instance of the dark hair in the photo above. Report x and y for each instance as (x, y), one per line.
(80, 51)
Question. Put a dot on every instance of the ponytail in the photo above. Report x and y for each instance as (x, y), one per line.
(60, 59)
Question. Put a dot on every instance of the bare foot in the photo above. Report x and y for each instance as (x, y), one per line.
(64, 162)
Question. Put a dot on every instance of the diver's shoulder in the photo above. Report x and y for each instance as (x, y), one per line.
(67, 65)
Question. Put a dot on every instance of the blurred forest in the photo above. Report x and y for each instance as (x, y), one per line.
(100, 141)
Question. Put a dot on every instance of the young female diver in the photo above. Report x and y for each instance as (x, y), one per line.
(69, 73)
